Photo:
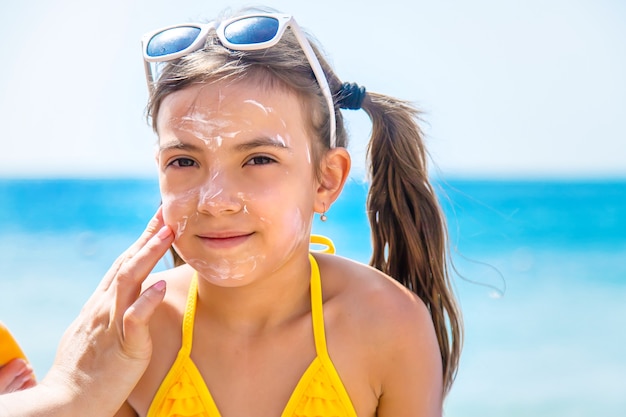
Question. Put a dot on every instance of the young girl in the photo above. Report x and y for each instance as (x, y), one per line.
(251, 146)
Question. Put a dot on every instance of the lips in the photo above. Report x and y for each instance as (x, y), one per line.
(225, 240)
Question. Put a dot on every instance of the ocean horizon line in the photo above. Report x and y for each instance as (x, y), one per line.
(435, 179)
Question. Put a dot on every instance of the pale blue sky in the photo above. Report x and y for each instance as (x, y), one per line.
(508, 88)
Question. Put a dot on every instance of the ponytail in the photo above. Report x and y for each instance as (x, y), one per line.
(408, 227)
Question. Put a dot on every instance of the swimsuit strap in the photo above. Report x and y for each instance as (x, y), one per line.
(322, 244)
(316, 310)
(319, 334)
(190, 313)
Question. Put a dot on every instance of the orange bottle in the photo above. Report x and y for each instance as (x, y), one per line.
(9, 349)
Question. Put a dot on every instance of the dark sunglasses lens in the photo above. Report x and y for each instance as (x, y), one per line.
(251, 30)
(171, 41)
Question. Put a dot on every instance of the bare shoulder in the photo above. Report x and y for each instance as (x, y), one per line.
(177, 279)
(372, 296)
(380, 332)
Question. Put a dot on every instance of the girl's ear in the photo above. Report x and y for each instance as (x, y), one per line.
(334, 172)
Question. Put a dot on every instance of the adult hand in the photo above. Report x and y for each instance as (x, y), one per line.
(107, 348)
(16, 375)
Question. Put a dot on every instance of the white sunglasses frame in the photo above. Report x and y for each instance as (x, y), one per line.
(284, 21)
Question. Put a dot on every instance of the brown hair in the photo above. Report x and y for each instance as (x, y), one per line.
(408, 227)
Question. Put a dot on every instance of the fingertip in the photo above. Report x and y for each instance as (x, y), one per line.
(164, 233)
(137, 318)
(16, 365)
(152, 297)
(160, 286)
(27, 380)
(30, 382)
(156, 222)
(143, 308)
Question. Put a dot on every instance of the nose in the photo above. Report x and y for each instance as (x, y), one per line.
(219, 196)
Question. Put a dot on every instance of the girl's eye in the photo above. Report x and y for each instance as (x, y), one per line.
(182, 162)
(260, 160)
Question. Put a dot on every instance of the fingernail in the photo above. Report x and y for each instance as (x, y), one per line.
(164, 233)
(159, 286)
(26, 378)
(23, 366)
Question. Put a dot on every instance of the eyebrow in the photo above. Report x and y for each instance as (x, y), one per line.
(261, 142)
(242, 147)
(178, 145)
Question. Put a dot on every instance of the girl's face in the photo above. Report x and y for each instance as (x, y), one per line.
(237, 178)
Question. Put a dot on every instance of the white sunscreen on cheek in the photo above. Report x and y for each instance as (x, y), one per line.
(176, 209)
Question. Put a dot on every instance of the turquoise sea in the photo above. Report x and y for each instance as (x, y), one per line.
(540, 271)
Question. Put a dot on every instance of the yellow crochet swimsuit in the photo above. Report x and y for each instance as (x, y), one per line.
(319, 393)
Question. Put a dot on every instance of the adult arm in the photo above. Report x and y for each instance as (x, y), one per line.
(107, 348)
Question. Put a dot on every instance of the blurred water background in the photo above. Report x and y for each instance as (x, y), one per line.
(540, 272)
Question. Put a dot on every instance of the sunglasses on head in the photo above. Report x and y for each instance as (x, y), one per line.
(244, 33)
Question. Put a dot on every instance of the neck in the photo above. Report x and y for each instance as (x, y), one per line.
(263, 304)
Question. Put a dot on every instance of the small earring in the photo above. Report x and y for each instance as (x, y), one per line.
(323, 215)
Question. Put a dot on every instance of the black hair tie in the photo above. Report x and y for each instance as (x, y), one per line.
(350, 96)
